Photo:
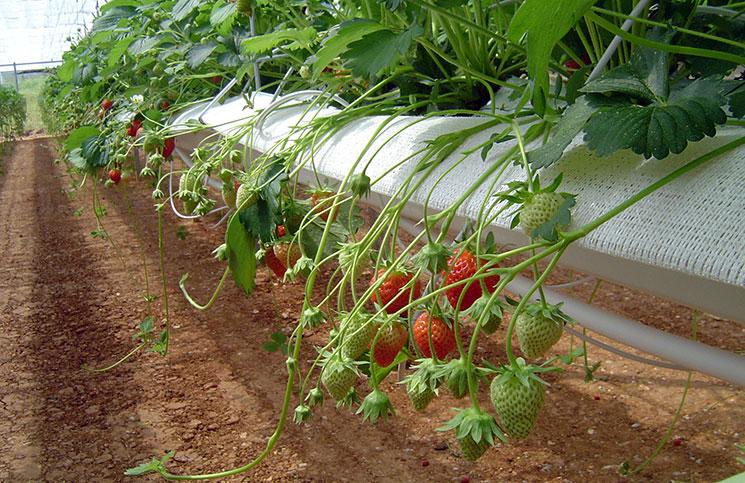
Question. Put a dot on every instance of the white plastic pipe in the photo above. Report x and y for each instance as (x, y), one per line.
(684, 352)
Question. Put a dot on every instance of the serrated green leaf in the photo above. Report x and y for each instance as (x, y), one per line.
(338, 39)
(116, 52)
(222, 12)
(183, 8)
(111, 17)
(379, 50)
(241, 249)
(660, 128)
(737, 102)
(530, 21)
(572, 121)
(140, 46)
(76, 138)
(199, 53)
(265, 43)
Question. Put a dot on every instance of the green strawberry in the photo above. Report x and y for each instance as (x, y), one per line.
(358, 334)
(420, 399)
(188, 183)
(229, 194)
(517, 401)
(470, 449)
(539, 327)
(338, 378)
(540, 208)
(245, 197)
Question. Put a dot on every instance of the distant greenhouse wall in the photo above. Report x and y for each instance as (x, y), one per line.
(41, 30)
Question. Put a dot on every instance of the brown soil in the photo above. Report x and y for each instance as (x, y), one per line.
(66, 299)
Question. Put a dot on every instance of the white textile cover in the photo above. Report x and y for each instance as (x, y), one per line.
(685, 242)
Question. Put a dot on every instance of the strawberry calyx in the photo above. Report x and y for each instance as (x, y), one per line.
(376, 405)
(476, 424)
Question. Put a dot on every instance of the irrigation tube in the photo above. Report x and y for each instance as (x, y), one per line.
(678, 350)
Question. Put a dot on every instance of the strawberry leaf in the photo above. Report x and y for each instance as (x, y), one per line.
(574, 119)
(541, 37)
(338, 39)
(241, 248)
(659, 128)
(379, 50)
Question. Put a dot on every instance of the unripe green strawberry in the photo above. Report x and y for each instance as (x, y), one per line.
(229, 194)
(245, 197)
(338, 378)
(470, 449)
(420, 399)
(517, 404)
(189, 182)
(537, 330)
(245, 7)
(538, 210)
(358, 334)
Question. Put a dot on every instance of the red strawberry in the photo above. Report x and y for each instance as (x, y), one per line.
(164, 105)
(134, 127)
(572, 64)
(169, 144)
(320, 203)
(443, 337)
(463, 268)
(216, 79)
(115, 175)
(107, 104)
(391, 339)
(274, 264)
(281, 231)
(391, 293)
(287, 253)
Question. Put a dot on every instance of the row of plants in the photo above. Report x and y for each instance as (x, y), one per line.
(669, 80)
(12, 116)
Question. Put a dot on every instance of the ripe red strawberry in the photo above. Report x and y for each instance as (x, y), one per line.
(274, 264)
(572, 64)
(287, 253)
(391, 294)
(391, 339)
(107, 104)
(115, 175)
(169, 144)
(443, 338)
(281, 231)
(463, 268)
(216, 79)
(320, 202)
(134, 127)
(164, 105)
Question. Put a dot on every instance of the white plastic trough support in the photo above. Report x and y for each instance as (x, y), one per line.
(655, 245)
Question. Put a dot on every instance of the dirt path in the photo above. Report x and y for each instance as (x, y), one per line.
(66, 299)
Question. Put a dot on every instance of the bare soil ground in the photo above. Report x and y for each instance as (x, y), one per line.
(66, 299)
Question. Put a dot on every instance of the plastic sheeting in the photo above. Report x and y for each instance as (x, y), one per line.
(41, 30)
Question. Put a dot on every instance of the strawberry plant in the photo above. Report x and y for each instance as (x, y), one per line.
(533, 76)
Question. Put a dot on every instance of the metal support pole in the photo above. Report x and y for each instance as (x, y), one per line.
(15, 75)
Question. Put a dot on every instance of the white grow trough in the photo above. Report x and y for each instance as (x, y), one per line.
(684, 243)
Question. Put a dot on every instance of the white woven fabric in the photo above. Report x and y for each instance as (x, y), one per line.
(684, 242)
